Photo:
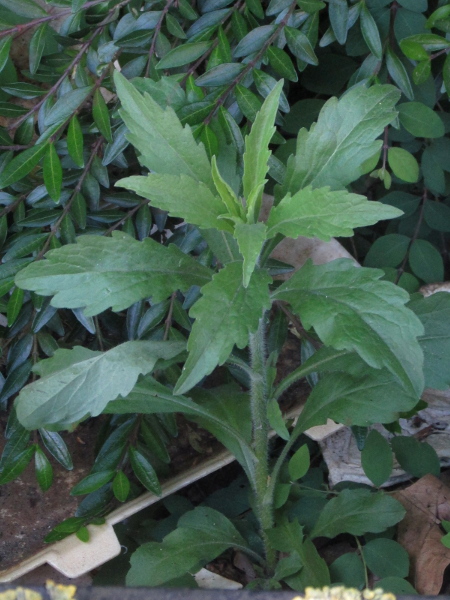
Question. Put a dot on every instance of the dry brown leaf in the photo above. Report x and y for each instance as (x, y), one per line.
(427, 502)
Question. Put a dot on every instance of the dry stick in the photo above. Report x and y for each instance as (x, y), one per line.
(15, 147)
(221, 99)
(68, 204)
(127, 216)
(56, 85)
(155, 35)
(401, 269)
(12, 206)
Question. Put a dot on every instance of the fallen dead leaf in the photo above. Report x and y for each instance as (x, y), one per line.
(427, 502)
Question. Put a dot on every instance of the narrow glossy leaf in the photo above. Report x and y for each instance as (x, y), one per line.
(225, 315)
(338, 13)
(144, 471)
(253, 41)
(154, 442)
(53, 174)
(417, 458)
(66, 105)
(298, 464)
(446, 74)
(24, 8)
(14, 306)
(324, 213)
(358, 512)
(80, 382)
(398, 73)
(403, 164)
(349, 306)
(281, 63)
(43, 470)
(91, 482)
(181, 196)
(37, 46)
(420, 120)
(15, 464)
(221, 75)
(78, 210)
(344, 137)
(206, 532)
(75, 142)
(98, 272)
(15, 381)
(376, 458)
(183, 55)
(165, 146)
(57, 448)
(83, 534)
(250, 238)
(22, 164)
(429, 41)
(101, 115)
(257, 151)
(370, 31)
(5, 46)
(300, 46)
(121, 486)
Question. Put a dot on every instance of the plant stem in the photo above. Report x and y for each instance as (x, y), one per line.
(258, 394)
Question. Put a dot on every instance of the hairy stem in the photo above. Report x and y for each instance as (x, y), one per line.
(264, 509)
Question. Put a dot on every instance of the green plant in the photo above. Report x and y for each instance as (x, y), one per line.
(370, 339)
(63, 147)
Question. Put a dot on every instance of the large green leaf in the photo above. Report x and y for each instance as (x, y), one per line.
(165, 145)
(100, 272)
(358, 512)
(181, 196)
(344, 137)
(434, 312)
(324, 213)
(78, 383)
(225, 315)
(351, 309)
(201, 535)
(257, 152)
(223, 411)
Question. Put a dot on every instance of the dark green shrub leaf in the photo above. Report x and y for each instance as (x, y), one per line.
(91, 483)
(300, 46)
(253, 41)
(121, 486)
(376, 458)
(24, 8)
(144, 471)
(43, 469)
(281, 63)
(53, 173)
(183, 55)
(57, 448)
(15, 464)
(22, 164)
(398, 73)
(221, 75)
(370, 32)
(37, 46)
(386, 558)
(298, 464)
(420, 120)
(338, 14)
(66, 105)
(358, 512)
(396, 585)
(14, 306)
(101, 115)
(426, 261)
(387, 251)
(75, 142)
(416, 458)
(403, 164)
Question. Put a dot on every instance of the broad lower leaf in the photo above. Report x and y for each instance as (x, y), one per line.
(358, 512)
(403, 164)
(420, 120)
(344, 137)
(257, 151)
(250, 238)
(201, 535)
(100, 272)
(80, 382)
(181, 196)
(227, 420)
(386, 558)
(376, 458)
(434, 312)
(165, 145)
(351, 309)
(415, 457)
(225, 315)
(324, 213)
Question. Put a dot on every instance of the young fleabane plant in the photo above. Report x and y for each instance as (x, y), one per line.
(370, 362)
